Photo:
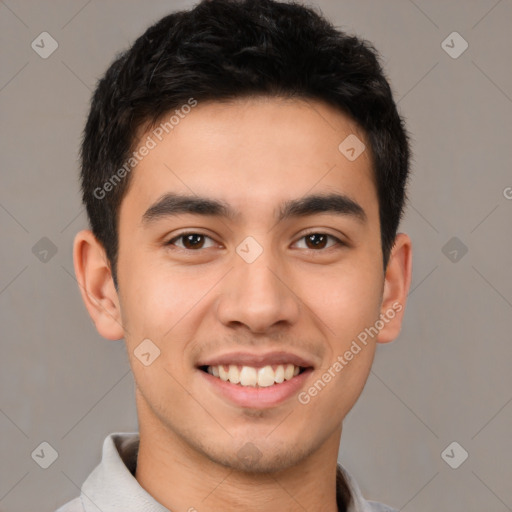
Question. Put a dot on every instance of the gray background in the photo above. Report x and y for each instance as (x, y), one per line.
(446, 378)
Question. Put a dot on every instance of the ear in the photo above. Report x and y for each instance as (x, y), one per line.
(96, 285)
(396, 287)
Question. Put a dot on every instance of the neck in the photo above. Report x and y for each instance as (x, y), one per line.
(182, 478)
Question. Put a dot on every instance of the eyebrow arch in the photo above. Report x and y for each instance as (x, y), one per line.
(171, 204)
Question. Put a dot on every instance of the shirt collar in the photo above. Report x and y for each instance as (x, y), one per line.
(112, 485)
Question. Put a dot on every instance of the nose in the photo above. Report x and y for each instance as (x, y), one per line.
(258, 295)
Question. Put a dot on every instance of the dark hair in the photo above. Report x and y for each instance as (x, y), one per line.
(226, 49)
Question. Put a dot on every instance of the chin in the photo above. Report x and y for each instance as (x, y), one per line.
(252, 459)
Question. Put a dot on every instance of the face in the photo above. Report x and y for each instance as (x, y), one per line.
(260, 276)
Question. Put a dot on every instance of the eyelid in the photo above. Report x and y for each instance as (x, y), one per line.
(185, 233)
(339, 242)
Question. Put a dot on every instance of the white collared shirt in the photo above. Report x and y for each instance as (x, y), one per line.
(112, 486)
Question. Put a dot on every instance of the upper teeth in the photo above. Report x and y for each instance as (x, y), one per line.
(250, 376)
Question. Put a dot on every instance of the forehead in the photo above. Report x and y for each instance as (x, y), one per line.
(253, 153)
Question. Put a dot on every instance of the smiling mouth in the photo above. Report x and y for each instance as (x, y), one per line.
(255, 377)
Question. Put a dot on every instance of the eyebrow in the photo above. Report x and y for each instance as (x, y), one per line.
(172, 204)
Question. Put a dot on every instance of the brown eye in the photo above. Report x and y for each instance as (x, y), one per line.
(190, 241)
(318, 241)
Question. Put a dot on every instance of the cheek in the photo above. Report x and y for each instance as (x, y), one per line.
(157, 308)
(152, 300)
(347, 300)
(166, 305)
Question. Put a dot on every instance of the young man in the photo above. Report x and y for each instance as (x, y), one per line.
(244, 170)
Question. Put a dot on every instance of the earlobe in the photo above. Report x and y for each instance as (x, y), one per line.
(96, 285)
(396, 287)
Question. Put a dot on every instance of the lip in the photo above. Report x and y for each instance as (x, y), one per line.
(257, 360)
(256, 397)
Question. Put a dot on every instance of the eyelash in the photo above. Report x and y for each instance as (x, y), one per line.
(182, 235)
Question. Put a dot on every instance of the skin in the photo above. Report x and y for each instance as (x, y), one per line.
(200, 302)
